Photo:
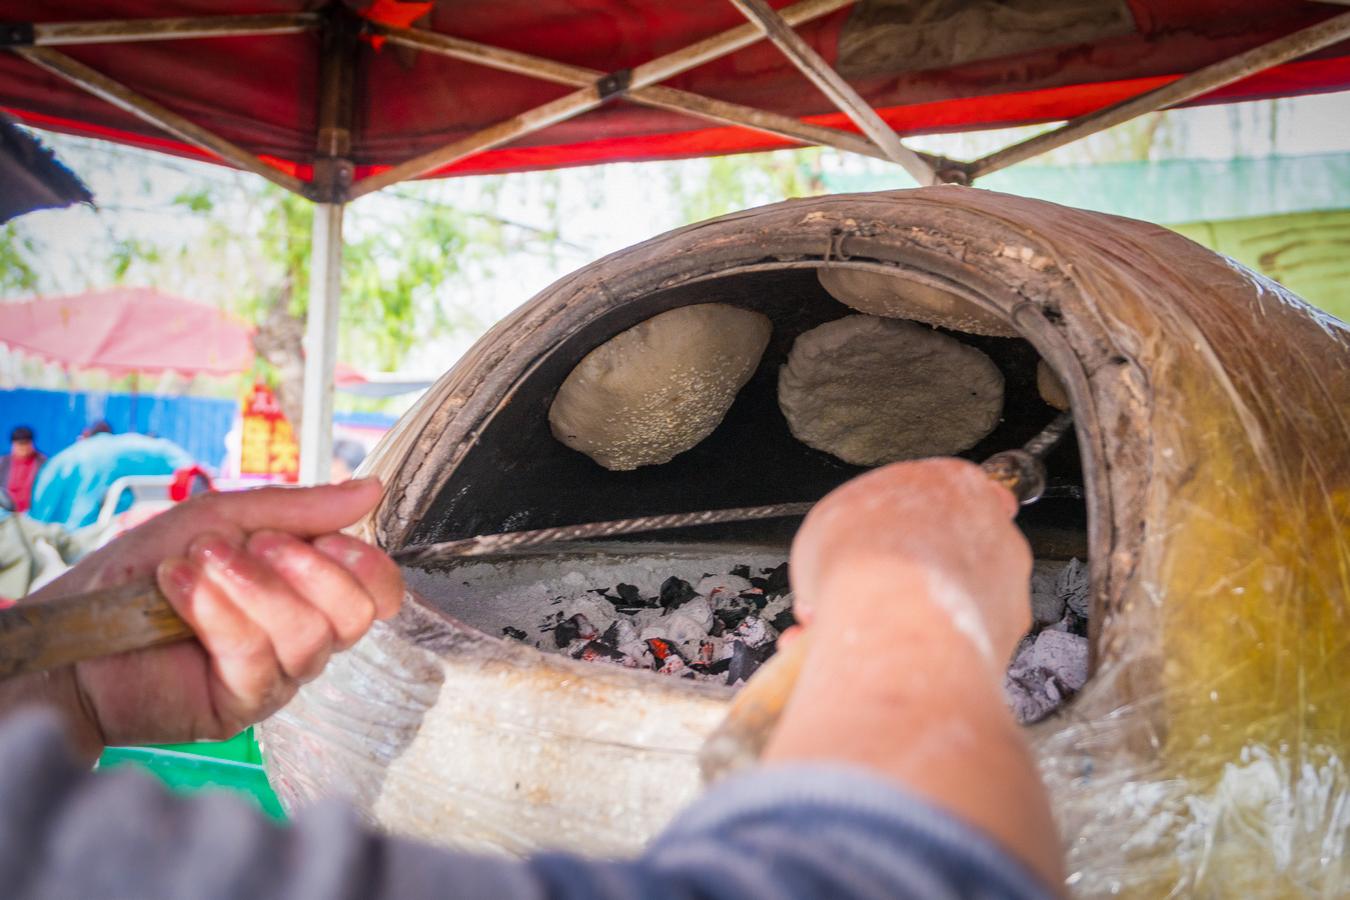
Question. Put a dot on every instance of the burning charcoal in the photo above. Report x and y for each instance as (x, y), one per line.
(630, 594)
(720, 666)
(591, 651)
(673, 665)
(721, 589)
(777, 582)
(577, 627)
(667, 659)
(1072, 587)
(728, 618)
(514, 633)
(639, 656)
(708, 651)
(675, 592)
(619, 632)
(754, 631)
(741, 571)
(783, 621)
(754, 597)
(678, 629)
(743, 663)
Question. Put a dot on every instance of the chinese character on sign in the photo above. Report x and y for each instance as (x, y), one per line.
(267, 443)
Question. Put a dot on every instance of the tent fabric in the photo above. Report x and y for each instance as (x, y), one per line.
(260, 91)
(127, 330)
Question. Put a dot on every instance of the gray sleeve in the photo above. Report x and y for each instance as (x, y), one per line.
(773, 835)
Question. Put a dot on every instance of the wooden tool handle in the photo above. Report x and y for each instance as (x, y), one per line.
(739, 740)
(40, 635)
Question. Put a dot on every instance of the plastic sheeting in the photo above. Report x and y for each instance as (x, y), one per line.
(1207, 755)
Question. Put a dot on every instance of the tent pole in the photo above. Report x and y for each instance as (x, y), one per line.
(321, 334)
(591, 96)
(658, 96)
(332, 178)
(1201, 81)
(121, 31)
(833, 86)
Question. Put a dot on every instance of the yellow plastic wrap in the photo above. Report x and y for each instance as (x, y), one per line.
(1207, 755)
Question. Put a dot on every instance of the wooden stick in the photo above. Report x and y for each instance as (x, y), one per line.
(35, 636)
(833, 85)
(586, 98)
(105, 88)
(754, 713)
(1201, 81)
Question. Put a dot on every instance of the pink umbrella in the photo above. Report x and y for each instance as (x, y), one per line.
(129, 330)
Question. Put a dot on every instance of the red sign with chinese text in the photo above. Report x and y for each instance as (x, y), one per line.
(267, 444)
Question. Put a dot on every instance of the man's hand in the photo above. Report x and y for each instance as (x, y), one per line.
(942, 519)
(913, 583)
(268, 585)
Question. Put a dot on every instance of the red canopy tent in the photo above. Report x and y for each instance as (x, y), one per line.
(342, 100)
(129, 330)
(259, 90)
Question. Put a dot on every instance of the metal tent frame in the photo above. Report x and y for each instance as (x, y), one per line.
(332, 186)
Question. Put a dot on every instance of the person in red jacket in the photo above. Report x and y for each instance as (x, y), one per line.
(19, 469)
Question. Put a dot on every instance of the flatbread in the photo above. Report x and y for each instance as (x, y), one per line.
(872, 391)
(1051, 388)
(897, 297)
(661, 387)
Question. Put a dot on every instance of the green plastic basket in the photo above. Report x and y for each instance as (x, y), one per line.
(233, 765)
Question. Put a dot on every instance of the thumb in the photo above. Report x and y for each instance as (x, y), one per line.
(303, 512)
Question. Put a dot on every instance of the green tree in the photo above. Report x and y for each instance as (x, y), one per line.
(725, 184)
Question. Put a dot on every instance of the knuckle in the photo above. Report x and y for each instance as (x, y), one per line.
(351, 620)
(309, 641)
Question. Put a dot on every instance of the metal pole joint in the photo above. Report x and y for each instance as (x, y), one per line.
(17, 34)
(340, 31)
(614, 84)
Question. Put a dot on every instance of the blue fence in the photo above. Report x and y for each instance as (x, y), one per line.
(197, 424)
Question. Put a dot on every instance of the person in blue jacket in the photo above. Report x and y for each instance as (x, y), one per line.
(896, 770)
(72, 485)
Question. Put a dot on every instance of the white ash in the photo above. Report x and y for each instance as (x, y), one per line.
(721, 625)
(1050, 665)
(1046, 674)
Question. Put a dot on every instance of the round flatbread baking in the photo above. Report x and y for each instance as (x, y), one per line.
(1052, 390)
(873, 391)
(661, 387)
(897, 297)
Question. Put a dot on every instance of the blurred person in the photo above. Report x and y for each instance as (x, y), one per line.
(347, 458)
(98, 426)
(874, 784)
(19, 470)
(72, 485)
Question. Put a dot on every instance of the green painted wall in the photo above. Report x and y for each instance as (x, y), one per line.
(1287, 217)
(1309, 253)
